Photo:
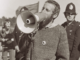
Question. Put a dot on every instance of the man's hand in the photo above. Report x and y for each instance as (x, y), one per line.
(17, 48)
(79, 58)
(3, 40)
(18, 10)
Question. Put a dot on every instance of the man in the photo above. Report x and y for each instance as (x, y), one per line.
(73, 31)
(8, 41)
(22, 39)
(50, 42)
(23, 42)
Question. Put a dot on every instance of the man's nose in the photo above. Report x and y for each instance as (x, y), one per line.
(69, 15)
(44, 11)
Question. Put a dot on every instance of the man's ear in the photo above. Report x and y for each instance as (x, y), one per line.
(55, 15)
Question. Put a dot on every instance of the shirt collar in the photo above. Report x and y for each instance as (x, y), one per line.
(51, 25)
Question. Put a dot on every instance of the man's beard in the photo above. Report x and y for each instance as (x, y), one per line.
(42, 24)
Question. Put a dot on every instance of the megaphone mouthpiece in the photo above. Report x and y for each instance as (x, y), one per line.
(30, 20)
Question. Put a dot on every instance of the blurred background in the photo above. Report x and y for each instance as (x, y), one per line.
(8, 9)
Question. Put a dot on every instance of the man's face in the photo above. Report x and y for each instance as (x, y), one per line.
(48, 8)
(3, 29)
(70, 17)
(7, 24)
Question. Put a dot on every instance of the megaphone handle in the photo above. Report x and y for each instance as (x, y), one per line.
(31, 35)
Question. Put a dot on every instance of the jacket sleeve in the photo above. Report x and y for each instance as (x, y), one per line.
(1, 37)
(76, 45)
(63, 48)
(14, 41)
(30, 46)
(14, 35)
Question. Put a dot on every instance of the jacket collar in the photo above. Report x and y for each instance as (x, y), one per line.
(71, 23)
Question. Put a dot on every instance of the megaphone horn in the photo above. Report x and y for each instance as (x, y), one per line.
(26, 22)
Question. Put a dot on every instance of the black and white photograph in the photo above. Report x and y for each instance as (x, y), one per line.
(39, 29)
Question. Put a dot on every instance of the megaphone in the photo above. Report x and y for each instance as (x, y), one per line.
(28, 22)
(20, 9)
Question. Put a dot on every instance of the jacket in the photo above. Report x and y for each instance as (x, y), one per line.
(73, 33)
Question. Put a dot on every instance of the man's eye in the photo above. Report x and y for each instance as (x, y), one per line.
(43, 8)
(47, 10)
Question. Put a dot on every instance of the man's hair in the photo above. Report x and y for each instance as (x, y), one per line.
(57, 6)
(4, 23)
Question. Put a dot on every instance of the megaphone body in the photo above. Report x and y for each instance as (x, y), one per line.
(28, 22)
